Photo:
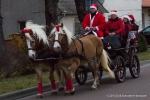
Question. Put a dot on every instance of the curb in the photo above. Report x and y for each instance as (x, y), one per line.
(46, 87)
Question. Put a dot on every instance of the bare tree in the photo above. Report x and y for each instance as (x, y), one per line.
(80, 7)
(4, 60)
(51, 12)
(2, 43)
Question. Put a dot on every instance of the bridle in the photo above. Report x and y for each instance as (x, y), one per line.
(62, 34)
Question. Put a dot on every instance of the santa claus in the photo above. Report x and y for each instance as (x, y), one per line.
(94, 22)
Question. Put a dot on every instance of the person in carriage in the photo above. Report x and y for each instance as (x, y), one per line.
(135, 28)
(94, 22)
(129, 35)
(113, 30)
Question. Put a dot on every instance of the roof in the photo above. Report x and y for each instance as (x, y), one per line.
(145, 3)
(70, 7)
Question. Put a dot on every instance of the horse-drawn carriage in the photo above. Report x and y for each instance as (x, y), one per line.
(120, 61)
(72, 53)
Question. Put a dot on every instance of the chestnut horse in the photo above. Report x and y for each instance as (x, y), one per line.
(39, 48)
(78, 51)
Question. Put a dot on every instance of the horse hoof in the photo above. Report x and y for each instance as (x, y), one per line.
(93, 89)
(61, 89)
(54, 93)
(67, 93)
(72, 93)
(39, 96)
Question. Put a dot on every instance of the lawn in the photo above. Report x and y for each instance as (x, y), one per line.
(8, 85)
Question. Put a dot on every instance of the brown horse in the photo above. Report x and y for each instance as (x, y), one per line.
(78, 51)
(39, 48)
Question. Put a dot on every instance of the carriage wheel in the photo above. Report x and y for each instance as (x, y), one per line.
(81, 75)
(134, 65)
(120, 69)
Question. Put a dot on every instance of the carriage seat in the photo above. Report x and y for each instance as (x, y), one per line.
(112, 42)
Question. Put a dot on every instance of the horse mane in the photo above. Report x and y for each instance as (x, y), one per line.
(67, 32)
(39, 30)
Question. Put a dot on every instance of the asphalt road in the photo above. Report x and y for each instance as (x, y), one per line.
(110, 89)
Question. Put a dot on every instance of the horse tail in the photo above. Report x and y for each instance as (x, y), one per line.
(105, 60)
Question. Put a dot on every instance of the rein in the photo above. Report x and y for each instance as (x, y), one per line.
(75, 53)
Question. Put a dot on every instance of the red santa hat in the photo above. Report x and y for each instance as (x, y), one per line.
(126, 16)
(95, 6)
(113, 12)
(132, 17)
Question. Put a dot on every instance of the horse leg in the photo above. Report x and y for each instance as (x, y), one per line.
(39, 79)
(61, 77)
(69, 84)
(95, 69)
(52, 80)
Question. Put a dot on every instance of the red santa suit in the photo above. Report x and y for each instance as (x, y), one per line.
(97, 21)
(114, 25)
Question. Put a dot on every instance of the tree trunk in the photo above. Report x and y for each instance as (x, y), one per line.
(80, 7)
(2, 43)
(51, 12)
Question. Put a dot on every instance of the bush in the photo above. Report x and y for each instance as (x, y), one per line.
(16, 58)
(142, 43)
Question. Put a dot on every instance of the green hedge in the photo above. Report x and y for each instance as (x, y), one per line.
(142, 43)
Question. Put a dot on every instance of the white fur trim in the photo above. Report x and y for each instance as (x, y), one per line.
(86, 28)
(113, 13)
(93, 7)
(89, 32)
(97, 27)
(126, 16)
(101, 37)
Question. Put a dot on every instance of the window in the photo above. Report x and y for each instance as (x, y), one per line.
(147, 31)
(21, 25)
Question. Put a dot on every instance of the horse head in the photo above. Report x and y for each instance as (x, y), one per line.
(35, 35)
(61, 37)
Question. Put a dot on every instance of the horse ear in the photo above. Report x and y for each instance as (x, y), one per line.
(52, 25)
(61, 25)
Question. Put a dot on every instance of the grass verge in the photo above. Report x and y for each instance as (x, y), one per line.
(8, 85)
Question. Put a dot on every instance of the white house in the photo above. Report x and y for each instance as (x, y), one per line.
(125, 7)
(145, 13)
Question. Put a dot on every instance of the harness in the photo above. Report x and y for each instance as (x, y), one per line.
(75, 53)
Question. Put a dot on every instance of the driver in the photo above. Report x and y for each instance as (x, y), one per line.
(94, 22)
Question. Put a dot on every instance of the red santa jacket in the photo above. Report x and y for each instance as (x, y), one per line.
(128, 27)
(97, 21)
(115, 25)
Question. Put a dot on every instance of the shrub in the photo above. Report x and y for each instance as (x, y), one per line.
(142, 43)
(16, 54)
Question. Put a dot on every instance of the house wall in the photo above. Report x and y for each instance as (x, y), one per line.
(146, 17)
(69, 22)
(125, 7)
(13, 11)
